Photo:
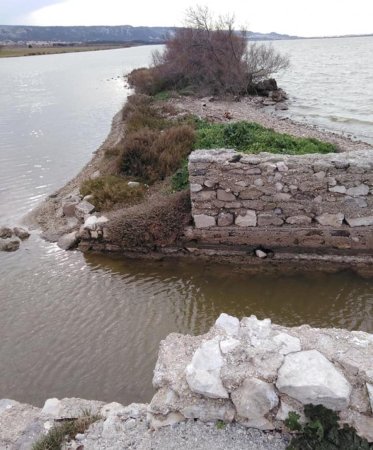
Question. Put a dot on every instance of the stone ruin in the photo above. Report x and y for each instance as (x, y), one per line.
(308, 201)
(254, 372)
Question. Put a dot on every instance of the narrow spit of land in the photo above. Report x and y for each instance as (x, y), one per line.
(11, 52)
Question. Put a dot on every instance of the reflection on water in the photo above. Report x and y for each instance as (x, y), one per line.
(90, 326)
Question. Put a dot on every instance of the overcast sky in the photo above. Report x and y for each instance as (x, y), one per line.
(296, 17)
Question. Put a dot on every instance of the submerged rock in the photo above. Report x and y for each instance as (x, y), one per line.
(68, 241)
(6, 232)
(9, 245)
(21, 233)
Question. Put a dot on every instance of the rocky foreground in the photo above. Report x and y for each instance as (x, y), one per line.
(231, 388)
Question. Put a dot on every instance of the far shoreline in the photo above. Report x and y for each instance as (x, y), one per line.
(22, 51)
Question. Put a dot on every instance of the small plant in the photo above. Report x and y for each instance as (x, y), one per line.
(292, 422)
(322, 432)
(180, 179)
(220, 424)
(65, 431)
(110, 190)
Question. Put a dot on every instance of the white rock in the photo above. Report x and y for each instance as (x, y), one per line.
(254, 398)
(360, 221)
(370, 395)
(230, 324)
(248, 220)
(338, 189)
(311, 378)
(6, 404)
(90, 223)
(358, 191)
(256, 330)
(194, 187)
(203, 373)
(133, 184)
(260, 254)
(111, 427)
(287, 343)
(330, 220)
(204, 221)
(228, 345)
(112, 409)
(52, 407)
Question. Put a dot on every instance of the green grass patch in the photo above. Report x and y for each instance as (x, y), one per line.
(248, 137)
(64, 432)
(162, 95)
(110, 190)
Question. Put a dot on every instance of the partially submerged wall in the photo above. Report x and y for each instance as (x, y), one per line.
(309, 201)
(254, 372)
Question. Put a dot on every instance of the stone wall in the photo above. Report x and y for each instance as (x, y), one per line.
(254, 373)
(308, 200)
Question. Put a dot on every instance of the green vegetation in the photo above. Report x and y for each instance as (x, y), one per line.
(248, 137)
(110, 190)
(220, 424)
(158, 143)
(322, 432)
(65, 431)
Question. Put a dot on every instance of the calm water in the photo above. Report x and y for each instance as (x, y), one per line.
(90, 326)
(330, 83)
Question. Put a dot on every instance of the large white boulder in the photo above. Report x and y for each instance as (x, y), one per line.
(229, 324)
(254, 398)
(203, 373)
(287, 343)
(311, 378)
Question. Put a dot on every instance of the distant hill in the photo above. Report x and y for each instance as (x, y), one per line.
(124, 33)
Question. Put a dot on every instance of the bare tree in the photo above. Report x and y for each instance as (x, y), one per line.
(210, 57)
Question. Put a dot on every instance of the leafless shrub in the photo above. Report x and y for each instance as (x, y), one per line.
(208, 56)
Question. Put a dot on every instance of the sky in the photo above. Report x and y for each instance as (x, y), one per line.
(295, 17)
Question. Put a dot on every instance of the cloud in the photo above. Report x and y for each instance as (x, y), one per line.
(14, 10)
(304, 18)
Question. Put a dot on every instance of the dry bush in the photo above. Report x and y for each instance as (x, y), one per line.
(109, 191)
(145, 81)
(139, 112)
(209, 56)
(153, 155)
(157, 222)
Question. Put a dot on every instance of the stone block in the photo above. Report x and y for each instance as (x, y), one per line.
(247, 220)
(254, 399)
(265, 219)
(225, 219)
(330, 220)
(360, 221)
(309, 377)
(204, 221)
(225, 196)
